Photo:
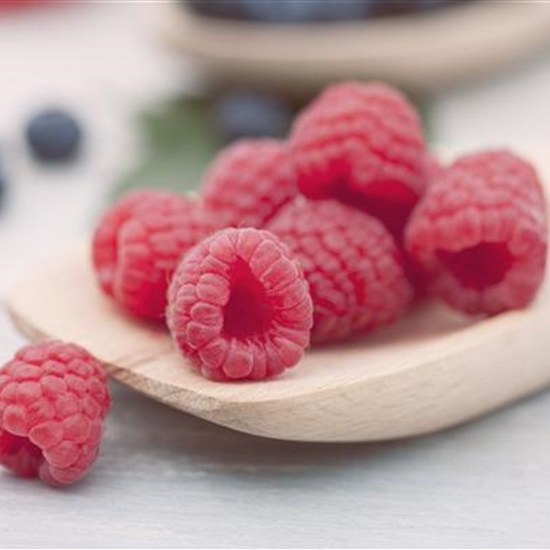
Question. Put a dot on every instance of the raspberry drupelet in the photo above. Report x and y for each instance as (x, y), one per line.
(138, 244)
(479, 235)
(239, 306)
(249, 181)
(363, 145)
(433, 168)
(53, 400)
(354, 269)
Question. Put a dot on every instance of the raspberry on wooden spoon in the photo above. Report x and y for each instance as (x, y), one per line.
(480, 233)
(239, 306)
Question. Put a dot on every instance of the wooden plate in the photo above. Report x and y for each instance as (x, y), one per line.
(421, 53)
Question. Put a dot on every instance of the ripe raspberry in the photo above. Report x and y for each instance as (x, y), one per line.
(53, 400)
(106, 235)
(432, 168)
(138, 244)
(353, 266)
(480, 233)
(249, 181)
(361, 144)
(239, 306)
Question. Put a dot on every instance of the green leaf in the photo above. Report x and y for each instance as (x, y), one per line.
(180, 143)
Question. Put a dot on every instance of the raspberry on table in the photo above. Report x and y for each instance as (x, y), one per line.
(138, 244)
(249, 181)
(361, 144)
(53, 401)
(354, 268)
(480, 233)
(239, 306)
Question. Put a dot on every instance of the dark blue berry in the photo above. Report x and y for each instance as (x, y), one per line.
(432, 4)
(306, 11)
(311, 11)
(226, 9)
(53, 136)
(399, 7)
(247, 114)
(345, 10)
(284, 11)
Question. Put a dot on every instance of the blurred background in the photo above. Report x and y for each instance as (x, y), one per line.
(97, 97)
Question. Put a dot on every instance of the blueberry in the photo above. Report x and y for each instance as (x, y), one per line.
(432, 4)
(247, 114)
(284, 11)
(398, 7)
(53, 135)
(345, 10)
(306, 11)
(226, 9)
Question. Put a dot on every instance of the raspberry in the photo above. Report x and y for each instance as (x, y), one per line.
(361, 144)
(106, 235)
(432, 168)
(53, 400)
(239, 306)
(480, 234)
(249, 181)
(138, 244)
(352, 264)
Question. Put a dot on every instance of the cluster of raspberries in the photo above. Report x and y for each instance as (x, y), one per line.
(323, 237)
(316, 239)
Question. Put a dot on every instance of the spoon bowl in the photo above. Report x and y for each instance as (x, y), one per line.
(434, 369)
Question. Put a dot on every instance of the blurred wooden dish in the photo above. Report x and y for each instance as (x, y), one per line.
(432, 370)
(421, 53)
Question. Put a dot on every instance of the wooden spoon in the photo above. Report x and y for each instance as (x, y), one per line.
(432, 370)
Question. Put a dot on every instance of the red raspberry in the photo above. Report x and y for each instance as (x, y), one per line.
(353, 266)
(239, 306)
(138, 244)
(106, 235)
(361, 144)
(432, 168)
(249, 181)
(53, 400)
(480, 233)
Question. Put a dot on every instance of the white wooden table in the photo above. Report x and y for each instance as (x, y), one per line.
(166, 479)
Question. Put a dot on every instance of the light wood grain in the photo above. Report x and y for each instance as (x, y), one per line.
(432, 370)
(421, 53)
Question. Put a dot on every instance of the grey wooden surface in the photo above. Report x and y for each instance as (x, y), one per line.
(165, 479)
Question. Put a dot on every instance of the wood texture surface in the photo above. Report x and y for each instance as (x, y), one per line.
(421, 53)
(432, 370)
